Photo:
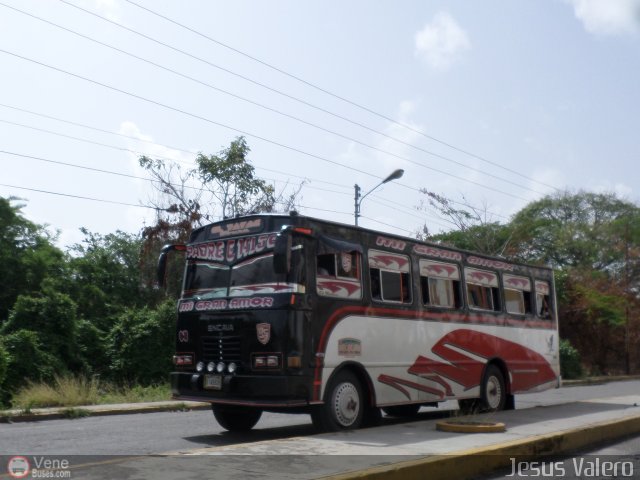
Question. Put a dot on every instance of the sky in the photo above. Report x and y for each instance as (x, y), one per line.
(491, 104)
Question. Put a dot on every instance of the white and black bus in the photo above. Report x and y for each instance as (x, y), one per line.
(294, 314)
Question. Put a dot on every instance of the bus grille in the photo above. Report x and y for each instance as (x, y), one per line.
(221, 348)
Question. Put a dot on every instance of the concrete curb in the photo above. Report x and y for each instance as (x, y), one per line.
(14, 416)
(467, 464)
(599, 380)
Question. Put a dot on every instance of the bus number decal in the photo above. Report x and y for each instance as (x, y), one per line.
(349, 347)
(436, 252)
(390, 243)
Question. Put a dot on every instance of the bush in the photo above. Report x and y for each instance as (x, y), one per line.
(65, 391)
(570, 366)
(141, 344)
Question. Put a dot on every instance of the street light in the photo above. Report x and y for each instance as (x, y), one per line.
(358, 198)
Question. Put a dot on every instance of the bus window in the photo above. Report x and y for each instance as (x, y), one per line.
(440, 284)
(390, 278)
(482, 289)
(517, 294)
(338, 275)
(543, 305)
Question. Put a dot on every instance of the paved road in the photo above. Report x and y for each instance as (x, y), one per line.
(179, 431)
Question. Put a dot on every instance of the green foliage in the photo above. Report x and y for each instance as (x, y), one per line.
(28, 361)
(4, 364)
(231, 179)
(570, 366)
(27, 256)
(105, 276)
(571, 230)
(489, 238)
(53, 316)
(141, 344)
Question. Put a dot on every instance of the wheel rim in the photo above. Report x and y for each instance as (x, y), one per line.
(346, 404)
(493, 392)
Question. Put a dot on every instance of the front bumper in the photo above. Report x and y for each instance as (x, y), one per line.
(255, 390)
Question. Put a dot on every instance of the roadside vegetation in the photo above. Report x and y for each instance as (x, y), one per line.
(85, 324)
(73, 391)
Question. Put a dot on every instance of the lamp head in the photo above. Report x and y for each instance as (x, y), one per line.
(396, 174)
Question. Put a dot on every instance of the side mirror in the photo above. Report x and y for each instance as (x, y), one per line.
(162, 262)
(282, 253)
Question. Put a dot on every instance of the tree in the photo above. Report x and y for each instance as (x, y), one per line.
(473, 228)
(572, 230)
(222, 185)
(231, 180)
(52, 316)
(27, 255)
(105, 276)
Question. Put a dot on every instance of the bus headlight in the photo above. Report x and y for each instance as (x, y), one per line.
(232, 367)
(200, 366)
(211, 367)
(220, 367)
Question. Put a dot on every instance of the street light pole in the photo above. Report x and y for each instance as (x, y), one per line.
(396, 174)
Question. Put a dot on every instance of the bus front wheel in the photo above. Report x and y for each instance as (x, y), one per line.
(343, 407)
(236, 419)
(494, 392)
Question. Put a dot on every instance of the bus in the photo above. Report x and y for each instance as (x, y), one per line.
(288, 313)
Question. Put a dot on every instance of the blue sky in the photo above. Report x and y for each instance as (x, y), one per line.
(505, 101)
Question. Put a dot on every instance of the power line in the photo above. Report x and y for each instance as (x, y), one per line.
(292, 117)
(297, 99)
(339, 97)
(189, 114)
(79, 197)
(243, 132)
(191, 165)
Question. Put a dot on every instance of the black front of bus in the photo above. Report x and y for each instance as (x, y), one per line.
(240, 337)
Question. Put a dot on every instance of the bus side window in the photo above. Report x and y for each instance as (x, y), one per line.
(390, 278)
(440, 284)
(482, 290)
(517, 294)
(326, 264)
(543, 305)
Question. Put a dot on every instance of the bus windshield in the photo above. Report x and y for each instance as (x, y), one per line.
(250, 276)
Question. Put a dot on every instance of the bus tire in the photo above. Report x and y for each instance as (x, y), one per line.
(402, 411)
(236, 419)
(343, 407)
(494, 392)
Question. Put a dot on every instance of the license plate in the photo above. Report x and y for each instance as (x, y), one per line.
(213, 382)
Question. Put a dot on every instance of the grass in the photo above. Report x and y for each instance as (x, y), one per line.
(72, 392)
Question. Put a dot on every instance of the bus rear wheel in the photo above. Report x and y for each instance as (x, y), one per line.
(494, 392)
(236, 419)
(343, 407)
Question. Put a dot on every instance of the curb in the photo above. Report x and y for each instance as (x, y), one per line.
(599, 380)
(98, 411)
(467, 464)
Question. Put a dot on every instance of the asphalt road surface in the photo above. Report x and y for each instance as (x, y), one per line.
(157, 433)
